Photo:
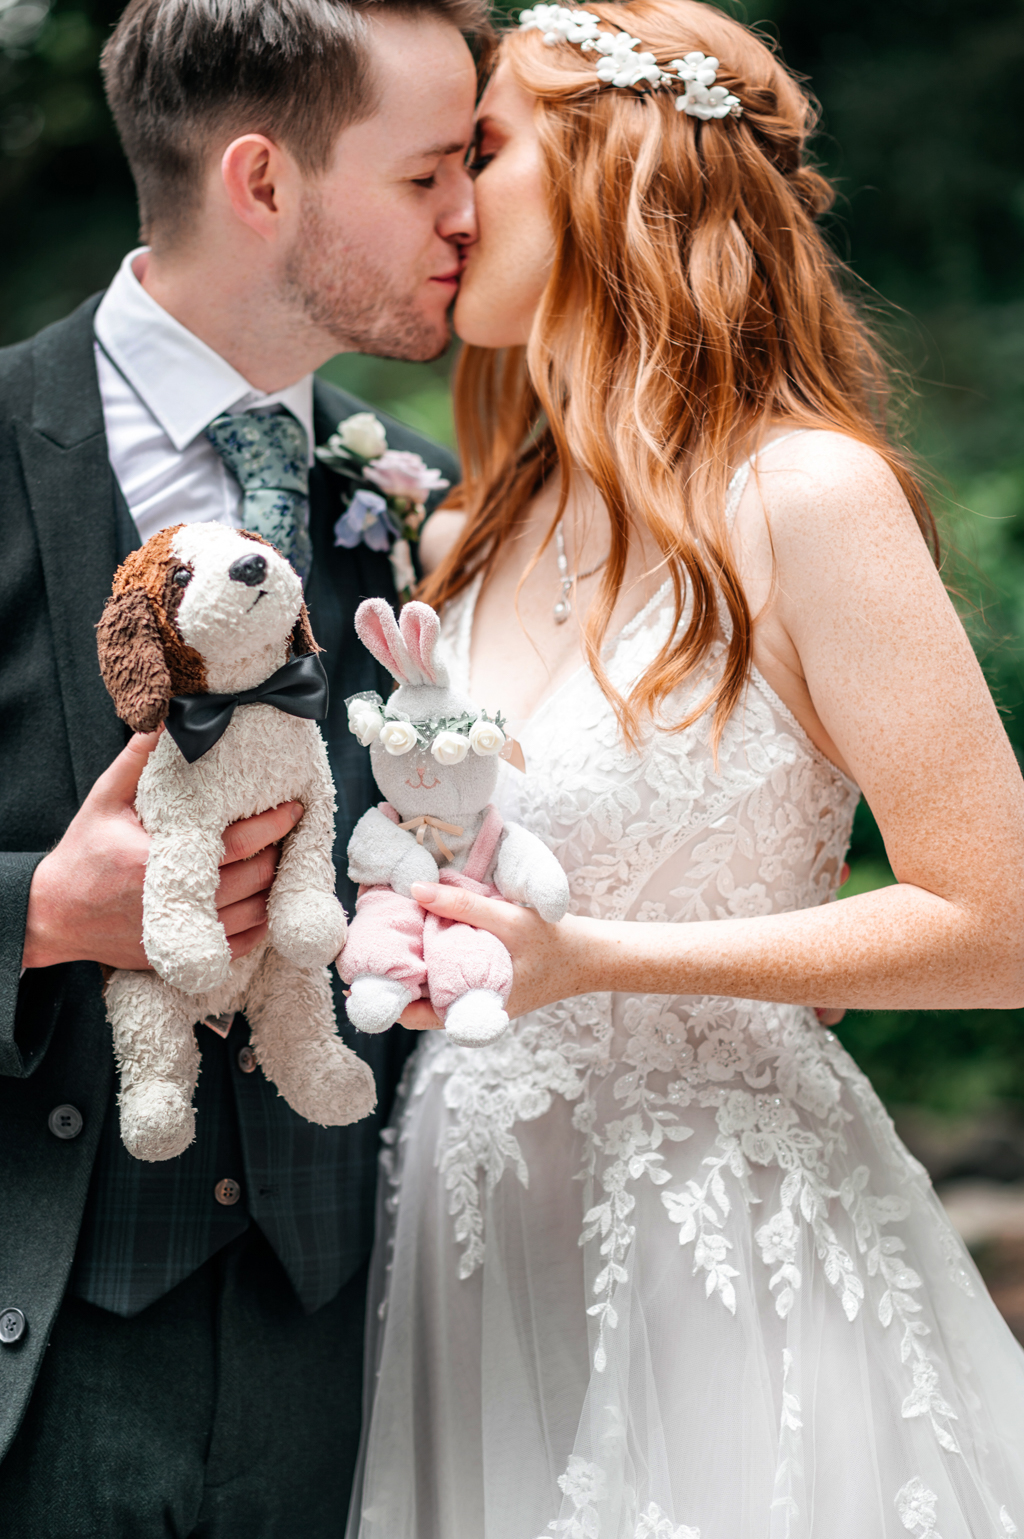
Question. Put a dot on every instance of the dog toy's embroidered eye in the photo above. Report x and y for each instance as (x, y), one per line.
(182, 577)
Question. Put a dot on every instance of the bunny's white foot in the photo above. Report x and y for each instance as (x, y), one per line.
(477, 1019)
(374, 1004)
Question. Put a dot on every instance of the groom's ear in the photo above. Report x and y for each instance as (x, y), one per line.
(262, 183)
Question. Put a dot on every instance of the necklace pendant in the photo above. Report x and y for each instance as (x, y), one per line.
(562, 611)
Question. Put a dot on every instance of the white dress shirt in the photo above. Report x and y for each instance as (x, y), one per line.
(160, 387)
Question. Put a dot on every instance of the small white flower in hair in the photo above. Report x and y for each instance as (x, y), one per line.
(450, 747)
(398, 736)
(620, 64)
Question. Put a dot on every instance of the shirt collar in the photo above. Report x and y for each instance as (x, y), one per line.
(182, 381)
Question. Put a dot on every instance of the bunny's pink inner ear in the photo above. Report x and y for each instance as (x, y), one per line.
(379, 633)
(421, 630)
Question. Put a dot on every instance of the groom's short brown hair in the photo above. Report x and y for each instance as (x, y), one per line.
(180, 73)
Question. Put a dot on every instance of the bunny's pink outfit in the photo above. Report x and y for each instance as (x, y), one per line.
(394, 937)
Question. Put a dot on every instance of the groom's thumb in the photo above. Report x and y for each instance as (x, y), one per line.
(116, 787)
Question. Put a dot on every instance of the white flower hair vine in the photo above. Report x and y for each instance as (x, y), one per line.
(619, 63)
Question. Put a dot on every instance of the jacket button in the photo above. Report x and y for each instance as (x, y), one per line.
(246, 1060)
(65, 1122)
(227, 1192)
(12, 1326)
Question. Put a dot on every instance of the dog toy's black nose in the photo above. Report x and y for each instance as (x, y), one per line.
(248, 569)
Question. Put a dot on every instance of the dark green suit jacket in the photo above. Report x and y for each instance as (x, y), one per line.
(64, 529)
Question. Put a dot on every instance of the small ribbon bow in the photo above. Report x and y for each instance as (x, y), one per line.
(421, 825)
(197, 722)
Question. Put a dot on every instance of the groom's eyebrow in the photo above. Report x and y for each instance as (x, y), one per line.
(457, 147)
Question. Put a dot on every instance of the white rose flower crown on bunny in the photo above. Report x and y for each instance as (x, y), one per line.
(435, 757)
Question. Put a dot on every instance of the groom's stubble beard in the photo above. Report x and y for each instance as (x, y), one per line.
(353, 300)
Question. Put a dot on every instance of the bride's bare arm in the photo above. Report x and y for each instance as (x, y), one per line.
(897, 689)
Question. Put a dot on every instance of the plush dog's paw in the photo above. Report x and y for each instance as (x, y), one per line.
(308, 928)
(329, 1084)
(374, 1004)
(477, 1019)
(194, 963)
(158, 1121)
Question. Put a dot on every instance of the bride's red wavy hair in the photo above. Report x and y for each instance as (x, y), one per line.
(692, 302)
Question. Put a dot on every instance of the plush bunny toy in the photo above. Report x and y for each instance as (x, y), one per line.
(197, 634)
(435, 757)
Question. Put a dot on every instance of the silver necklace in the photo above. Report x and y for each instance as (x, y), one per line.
(563, 608)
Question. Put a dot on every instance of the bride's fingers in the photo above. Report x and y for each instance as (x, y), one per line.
(450, 902)
(419, 1016)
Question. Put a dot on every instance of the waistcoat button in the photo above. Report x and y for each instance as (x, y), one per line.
(227, 1192)
(65, 1122)
(12, 1326)
(246, 1060)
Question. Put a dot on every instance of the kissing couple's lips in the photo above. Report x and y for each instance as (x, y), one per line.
(450, 278)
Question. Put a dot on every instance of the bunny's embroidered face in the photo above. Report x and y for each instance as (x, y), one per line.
(432, 751)
(199, 608)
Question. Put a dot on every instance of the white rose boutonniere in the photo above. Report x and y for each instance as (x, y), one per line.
(387, 504)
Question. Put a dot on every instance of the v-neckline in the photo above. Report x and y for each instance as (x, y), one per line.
(467, 621)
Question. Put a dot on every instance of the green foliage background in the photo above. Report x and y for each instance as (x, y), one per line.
(923, 127)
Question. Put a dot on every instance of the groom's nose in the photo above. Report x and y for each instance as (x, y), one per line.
(458, 219)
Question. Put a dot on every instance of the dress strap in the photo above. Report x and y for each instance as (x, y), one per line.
(738, 484)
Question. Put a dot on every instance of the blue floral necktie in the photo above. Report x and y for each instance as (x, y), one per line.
(269, 457)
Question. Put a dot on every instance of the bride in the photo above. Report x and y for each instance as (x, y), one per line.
(656, 1265)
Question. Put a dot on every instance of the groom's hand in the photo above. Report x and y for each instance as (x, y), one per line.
(85, 902)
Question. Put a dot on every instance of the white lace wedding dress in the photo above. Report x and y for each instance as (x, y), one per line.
(659, 1268)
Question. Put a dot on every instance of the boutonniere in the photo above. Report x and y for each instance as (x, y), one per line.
(387, 503)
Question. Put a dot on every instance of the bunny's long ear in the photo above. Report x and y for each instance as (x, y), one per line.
(421, 630)
(377, 630)
(132, 660)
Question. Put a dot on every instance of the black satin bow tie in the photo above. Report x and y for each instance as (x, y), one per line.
(196, 722)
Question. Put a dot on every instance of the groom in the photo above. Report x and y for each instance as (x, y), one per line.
(180, 1343)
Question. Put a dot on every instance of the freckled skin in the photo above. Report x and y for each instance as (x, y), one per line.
(861, 641)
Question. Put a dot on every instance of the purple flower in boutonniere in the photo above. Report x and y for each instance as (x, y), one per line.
(367, 519)
(388, 513)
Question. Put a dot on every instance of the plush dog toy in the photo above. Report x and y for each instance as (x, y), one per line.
(435, 757)
(197, 635)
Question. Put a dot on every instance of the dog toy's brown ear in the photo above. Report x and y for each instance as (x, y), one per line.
(302, 635)
(132, 660)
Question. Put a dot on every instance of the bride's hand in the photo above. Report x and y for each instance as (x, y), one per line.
(550, 962)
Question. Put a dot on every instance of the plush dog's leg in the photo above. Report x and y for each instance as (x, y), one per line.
(183, 938)
(307, 923)
(291, 1013)
(158, 1061)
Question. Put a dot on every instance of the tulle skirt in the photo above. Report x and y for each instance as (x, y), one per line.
(653, 1313)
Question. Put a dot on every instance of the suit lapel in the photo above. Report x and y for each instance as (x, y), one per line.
(72, 495)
